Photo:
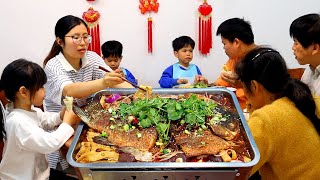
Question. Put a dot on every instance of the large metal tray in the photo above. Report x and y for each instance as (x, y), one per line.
(170, 170)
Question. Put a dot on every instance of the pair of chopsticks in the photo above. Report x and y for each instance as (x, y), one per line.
(134, 85)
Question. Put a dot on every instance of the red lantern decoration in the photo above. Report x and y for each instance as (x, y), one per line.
(149, 6)
(91, 17)
(205, 28)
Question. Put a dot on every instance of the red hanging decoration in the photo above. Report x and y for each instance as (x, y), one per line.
(149, 6)
(91, 17)
(205, 28)
(149, 35)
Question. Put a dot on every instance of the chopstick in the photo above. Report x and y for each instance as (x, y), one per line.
(134, 85)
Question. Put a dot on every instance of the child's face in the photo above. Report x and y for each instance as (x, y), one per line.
(184, 55)
(38, 97)
(113, 62)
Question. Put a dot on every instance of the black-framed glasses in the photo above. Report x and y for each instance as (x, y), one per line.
(78, 39)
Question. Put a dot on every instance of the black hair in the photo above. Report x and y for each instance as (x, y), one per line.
(25, 73)
(63, 26)
(306, 29)
(111, 48)
(266, 66)
(181, 42)
(236, 28)
(2, 128)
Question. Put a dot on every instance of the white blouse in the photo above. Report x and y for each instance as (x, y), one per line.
(28, 142)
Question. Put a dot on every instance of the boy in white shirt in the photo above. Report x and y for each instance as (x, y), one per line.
(305, 32)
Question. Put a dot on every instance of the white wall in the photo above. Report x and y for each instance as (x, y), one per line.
(27, 29)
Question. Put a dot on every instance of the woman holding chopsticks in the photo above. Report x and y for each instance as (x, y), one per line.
(73, 71)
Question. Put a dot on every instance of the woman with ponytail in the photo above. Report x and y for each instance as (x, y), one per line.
(283, 118)
(72, 70)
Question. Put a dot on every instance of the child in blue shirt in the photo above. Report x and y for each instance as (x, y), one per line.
(112, 56)
(182, 72)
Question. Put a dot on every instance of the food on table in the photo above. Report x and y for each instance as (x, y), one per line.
(68, 102)
(93, 152)
(172, 128)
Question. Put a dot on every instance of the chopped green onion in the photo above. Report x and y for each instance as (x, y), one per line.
(126, 127)
(139, 135)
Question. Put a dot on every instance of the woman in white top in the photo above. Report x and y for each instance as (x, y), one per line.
(27, 140)
(73, 71)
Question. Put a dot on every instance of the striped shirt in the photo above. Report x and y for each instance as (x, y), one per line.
(60, 73)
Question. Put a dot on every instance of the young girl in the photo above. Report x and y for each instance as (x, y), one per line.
(27, 140)
(283, 118)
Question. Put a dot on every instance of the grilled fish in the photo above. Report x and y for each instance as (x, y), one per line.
(196, 145)
(100, 120)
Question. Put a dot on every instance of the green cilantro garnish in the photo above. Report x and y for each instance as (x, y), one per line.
(159, 112)
(103, 134)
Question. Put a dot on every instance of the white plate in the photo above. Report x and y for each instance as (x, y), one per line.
(231, 88)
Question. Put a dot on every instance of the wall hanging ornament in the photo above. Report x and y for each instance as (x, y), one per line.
(91, 17)
(205, 28)
(149, 6)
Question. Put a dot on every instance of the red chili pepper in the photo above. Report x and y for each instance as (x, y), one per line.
(135, 122)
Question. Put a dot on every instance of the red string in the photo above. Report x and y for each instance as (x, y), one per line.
(93, 39)
(205, 35)
(200, 35)
(90, 45)
(97, 49)
(210, 32)
(150, 35)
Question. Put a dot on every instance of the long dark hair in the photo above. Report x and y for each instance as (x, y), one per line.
(2, 128)
(63, 26)
(266, 66)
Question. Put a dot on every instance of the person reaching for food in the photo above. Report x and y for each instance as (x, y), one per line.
(26, 127)
(283, 117)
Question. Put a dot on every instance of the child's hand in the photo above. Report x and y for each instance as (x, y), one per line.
(69, 141)
(199, 79)
(71, 118)
(182, 81)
